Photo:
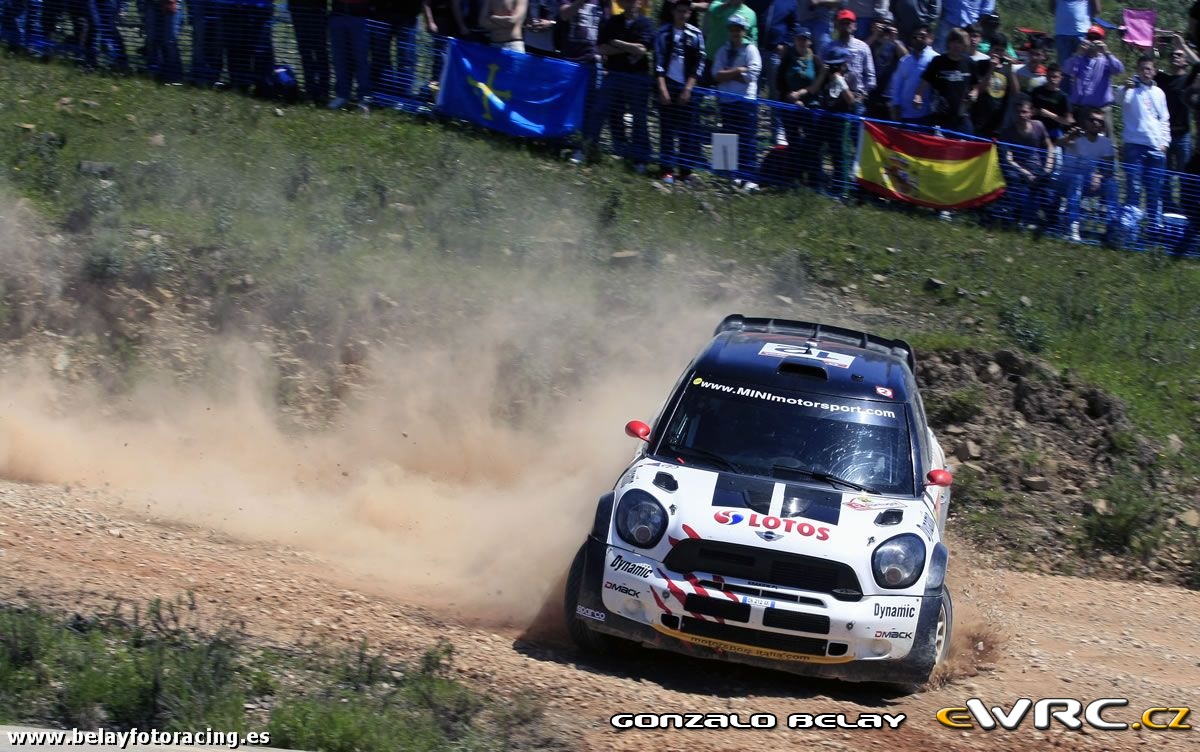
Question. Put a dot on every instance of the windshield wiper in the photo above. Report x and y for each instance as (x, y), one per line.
(705, 454)
(822, 475)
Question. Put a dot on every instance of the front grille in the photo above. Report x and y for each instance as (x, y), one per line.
(776, 595)
(754, 637)
(772, 567)
(722, 607)
(795, 621)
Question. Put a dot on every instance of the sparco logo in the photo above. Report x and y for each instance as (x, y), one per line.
(893, 635)
(621, 589)
(630, 567)
(771, 523)
(902, 612)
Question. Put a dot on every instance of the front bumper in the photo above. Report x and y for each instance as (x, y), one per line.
(877, 638)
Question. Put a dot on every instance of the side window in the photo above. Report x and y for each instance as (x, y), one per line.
(921, 434)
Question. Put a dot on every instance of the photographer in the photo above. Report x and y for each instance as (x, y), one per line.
(991, 111)
(1092, 70)
(886, 52)
(1175, 83)
(1089, 169)
(1147, 137)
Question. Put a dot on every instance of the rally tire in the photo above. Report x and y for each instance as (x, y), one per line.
(945, 628)
(584, 638)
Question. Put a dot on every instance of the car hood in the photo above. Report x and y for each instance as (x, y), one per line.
(813, 519)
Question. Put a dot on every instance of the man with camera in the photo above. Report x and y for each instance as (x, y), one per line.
(1146, 138)
(1088, 157)
(1091, 70)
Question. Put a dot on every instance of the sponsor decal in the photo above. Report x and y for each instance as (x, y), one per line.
(809, 351)
(883, 391)
(621, 589)
(620, 564)
(767, 535)
(833, 407)
(865, 504)
(885, 634)
(754, 721)
(770, 522)
(592, 614)
(927, 526)
(1067, 711)
(898, 612)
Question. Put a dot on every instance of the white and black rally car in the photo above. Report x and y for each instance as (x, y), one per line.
(785, 510)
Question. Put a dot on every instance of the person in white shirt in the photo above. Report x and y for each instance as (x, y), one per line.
(1145, 139)
(736, 68)
(1089, 170)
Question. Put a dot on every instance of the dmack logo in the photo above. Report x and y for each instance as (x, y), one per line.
(772, 523)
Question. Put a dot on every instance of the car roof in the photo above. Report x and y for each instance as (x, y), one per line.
(809, 357)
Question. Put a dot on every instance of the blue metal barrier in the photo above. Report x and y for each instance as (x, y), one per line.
(293, 52)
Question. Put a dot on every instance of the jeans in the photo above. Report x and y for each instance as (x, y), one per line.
(1077, 183)
(247, 42)
(20, 23)
(803, 155)
(1024, 198)
(207, 42)
(162, 43)
(628, 93)
(740, 116)
(1144, 170)
(311, 26)
(1178, 154)
(106, 30)
(400, 80)
(441, 48)
(349, 44)
(679, 133)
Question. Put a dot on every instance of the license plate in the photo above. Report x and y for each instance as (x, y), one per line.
(761, 602)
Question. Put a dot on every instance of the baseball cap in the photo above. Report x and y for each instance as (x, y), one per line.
(736, 20)
(834, 56)
(1096, 31)
(801, 31)
(846, 14)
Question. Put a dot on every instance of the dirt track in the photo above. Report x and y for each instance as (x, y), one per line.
(1062, 637)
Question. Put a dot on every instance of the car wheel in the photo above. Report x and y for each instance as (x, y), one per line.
(945, 627)
(586, 639)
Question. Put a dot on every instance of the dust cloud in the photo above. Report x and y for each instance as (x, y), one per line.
(462, 474)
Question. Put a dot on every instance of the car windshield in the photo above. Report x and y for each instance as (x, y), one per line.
(844, 442)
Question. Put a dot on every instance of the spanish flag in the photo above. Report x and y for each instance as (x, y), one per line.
(942, 173)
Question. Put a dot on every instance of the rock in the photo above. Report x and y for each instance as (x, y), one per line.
(1174, 444)
(62, 361)
(1100, 507)
(158, 139)
(1191, 518)
(1025, 301)
(1035, 483)
(115, 532)
(968, 450)
(623, 257)
(785, 300)
(97, 169)
(933, 284)
(278, 112)
(955, 430)
(879, 278)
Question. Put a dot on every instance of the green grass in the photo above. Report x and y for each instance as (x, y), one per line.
(160, 668)
(314, 203)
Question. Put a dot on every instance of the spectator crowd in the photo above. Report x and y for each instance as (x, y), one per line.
(1071, 117)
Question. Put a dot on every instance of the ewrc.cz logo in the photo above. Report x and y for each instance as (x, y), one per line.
(1064, 710)
(772, 523)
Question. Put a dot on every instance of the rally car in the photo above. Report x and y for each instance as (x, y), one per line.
(785, 509)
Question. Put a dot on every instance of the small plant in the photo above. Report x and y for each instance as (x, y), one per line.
(1129, 523)
(958, 406)
(1022, 329)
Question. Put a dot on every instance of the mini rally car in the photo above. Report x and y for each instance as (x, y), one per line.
(785, 510)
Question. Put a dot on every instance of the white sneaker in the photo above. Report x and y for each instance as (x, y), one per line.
(750, 187)
(577, 157)
(1073, 234)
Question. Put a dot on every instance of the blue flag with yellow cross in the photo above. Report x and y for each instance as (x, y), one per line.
(518, 94)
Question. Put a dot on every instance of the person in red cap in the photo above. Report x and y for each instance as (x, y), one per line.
(859, 60)
(1091, 70)
(1071, 21)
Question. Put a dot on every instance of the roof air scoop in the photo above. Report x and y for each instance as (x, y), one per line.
(800, 368)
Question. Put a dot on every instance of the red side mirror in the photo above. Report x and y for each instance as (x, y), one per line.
(638, 430)
(940, 477)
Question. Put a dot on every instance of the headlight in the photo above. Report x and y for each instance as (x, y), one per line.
(898, 562)
(641, 520)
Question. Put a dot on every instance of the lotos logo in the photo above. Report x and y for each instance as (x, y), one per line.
(768, 522)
